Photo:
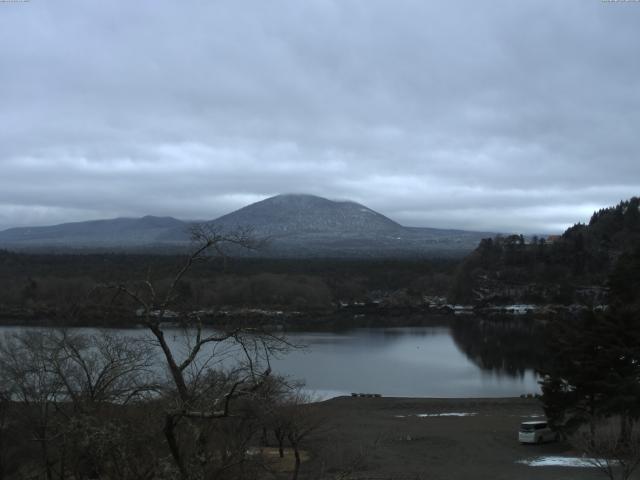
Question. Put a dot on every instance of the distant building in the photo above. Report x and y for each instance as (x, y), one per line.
(553, 238)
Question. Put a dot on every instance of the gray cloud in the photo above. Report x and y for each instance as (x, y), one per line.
(501, 115)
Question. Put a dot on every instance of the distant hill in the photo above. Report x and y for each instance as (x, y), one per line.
(296, 225)
(118, 231)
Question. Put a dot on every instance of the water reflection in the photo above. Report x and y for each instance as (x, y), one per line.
(468, 359)
(512, 346)
(422, 361)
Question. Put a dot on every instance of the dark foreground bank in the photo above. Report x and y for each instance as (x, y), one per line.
(431, 438)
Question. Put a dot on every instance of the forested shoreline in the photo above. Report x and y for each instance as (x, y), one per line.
(560, 273)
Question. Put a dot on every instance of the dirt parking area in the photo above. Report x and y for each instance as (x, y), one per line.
(449, 439)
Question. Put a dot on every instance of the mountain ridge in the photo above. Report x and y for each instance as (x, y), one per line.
(114, 228)
(296, 224)
(298, 213)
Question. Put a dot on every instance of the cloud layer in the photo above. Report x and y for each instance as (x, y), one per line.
(501, 115)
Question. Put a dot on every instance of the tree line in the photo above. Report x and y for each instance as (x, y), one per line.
(58, 286)
(549, 270)
(101, 405)
(591, 379)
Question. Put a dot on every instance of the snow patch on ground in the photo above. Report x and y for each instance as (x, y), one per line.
(559, 462)
(445, 414)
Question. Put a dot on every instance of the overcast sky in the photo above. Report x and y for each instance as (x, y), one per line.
(487, 115)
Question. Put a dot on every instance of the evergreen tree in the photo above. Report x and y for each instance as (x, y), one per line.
(572, 393)
(594, 371)
(624, 282)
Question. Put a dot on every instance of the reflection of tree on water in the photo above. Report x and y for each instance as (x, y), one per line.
(508, 346)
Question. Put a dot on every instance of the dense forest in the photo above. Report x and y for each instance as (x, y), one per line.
(576, 267)
(55, 286)
(573, 267)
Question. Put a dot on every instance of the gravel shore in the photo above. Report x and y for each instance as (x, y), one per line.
(431, 438)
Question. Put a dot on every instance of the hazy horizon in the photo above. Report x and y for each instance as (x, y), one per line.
(196, 220)
(494, 116)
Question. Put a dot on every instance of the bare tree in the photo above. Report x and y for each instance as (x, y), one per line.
(615, 455)
(64, 385)
(102, 405)
(292, 418)
(4, 438)
(201, 391)
(102, 368)
(28, 380)
(117, 442)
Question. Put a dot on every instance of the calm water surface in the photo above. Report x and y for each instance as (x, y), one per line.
(411, 362)
(408, 362)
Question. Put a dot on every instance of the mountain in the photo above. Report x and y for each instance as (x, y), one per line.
(297, 213)
(296, 225)
(118, 231)
(311, 226)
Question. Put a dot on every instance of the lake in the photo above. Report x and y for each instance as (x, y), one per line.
(405, 362)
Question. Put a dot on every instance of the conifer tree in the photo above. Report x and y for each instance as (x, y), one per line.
(594, 371)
